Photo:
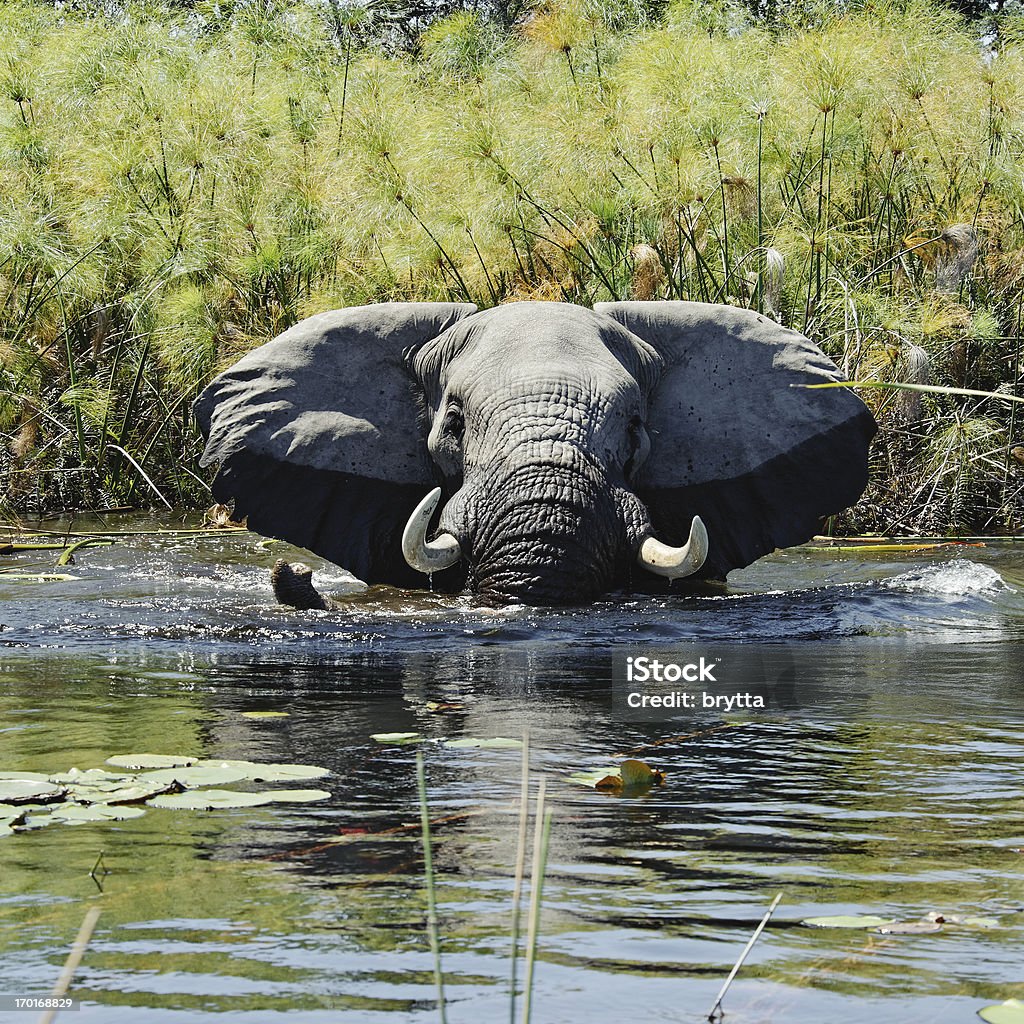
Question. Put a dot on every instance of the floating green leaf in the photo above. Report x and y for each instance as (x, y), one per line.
(599, 777)
(37, 577)
(39, 818)
(848, 921)
(208, 800)
(967, 921)
(21, 791)
(76, 814)
(631, 776)
(295, 796)
(639, 775)
(10, 815)
(909, 927)
(123, 794)
(193, 776)
(396, 737)
(253, 771)
(91, 777)
(264, 714)
(494, 743)
(1010, 1012)
(26, 776)
(142, 761)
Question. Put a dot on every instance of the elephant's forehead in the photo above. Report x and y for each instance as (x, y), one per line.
(560, 380)
(557, 335)
(540, 361)
(542, 392)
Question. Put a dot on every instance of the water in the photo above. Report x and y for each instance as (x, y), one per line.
(889, 783)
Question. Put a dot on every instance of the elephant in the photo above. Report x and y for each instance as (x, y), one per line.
(536, 453)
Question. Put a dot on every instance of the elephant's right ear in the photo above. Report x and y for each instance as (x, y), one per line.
(319, 437)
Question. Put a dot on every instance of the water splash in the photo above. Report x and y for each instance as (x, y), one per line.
(958, 578)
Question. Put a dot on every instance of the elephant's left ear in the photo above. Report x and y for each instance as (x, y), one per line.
(733, 440)
(318, 434)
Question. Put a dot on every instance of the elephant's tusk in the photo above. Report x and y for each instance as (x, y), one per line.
(428, 555)
(676, 562)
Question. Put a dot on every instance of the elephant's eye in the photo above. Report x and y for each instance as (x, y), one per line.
(454, 424)
(636, 432)
(639, 446)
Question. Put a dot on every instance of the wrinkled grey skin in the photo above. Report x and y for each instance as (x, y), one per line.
(561, 438)
(541, 437)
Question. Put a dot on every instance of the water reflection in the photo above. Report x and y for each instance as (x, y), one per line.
(884, 778)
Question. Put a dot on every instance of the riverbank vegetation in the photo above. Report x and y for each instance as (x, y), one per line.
(178, 183)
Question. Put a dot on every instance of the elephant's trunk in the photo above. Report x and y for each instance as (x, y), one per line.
(544, 534)
(549, 529)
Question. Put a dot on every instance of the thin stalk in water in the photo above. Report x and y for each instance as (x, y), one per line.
(541, 839)
(67, 973)
(428, 873)
(716, 1010)
(517, 889)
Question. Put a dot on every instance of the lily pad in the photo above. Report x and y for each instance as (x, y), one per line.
(5, 830)
(10, 815)
(76, 814)
(396, 737)
(1010, 1012)
(37, 819)
(976, 922)
(26, 776)
(494, 743)
(966, 921)
(124, 794)
(91, 777)
(849, 921)
(208, 799)
(631, 776)
(256, 772)
(193, 776)
(295, 796)
(21, 791)
(142, 761)
(910, 927)
(599, 777)
(638, 774)
(264, 714)
(38, 577)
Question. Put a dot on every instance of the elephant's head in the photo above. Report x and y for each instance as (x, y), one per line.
(573, 451)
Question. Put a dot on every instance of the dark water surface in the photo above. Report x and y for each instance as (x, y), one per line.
(891, 783)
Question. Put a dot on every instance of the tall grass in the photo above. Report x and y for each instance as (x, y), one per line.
(172, 195)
